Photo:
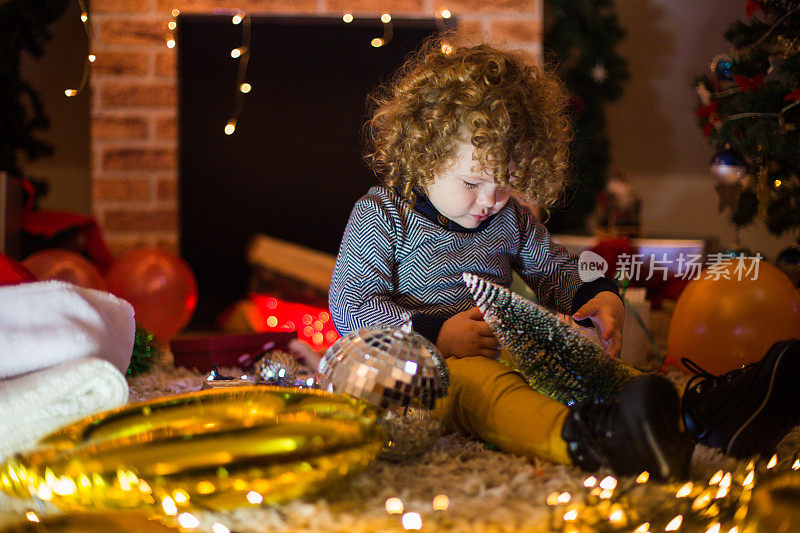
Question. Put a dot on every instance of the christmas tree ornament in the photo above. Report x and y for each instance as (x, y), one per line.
(722, 67)
(789, 262)
(385, 366)
(64, 265)
(145, 352)
(401, 372)
(555, 359)
(732, 314)
(276, 367)
(727, 166)
(214, 449)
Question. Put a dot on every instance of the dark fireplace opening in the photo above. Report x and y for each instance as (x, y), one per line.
(293, 168)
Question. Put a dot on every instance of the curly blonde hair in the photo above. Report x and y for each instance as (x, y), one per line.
(509, 110)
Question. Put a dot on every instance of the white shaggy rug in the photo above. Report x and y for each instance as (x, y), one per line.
(487, 490)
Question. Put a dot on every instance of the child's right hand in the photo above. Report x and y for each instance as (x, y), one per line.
(466, 335)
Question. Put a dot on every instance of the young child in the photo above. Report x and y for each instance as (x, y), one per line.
(457, 137)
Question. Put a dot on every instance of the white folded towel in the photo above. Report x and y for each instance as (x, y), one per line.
(37, 404)
(47, 323)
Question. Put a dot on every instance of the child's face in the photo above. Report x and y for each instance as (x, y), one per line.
(463, 193)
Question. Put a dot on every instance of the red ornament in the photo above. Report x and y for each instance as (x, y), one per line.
(748, 84)
(160, 286)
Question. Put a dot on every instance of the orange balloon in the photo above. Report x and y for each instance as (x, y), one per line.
(723, 324)
(160, 286)
(64, 265)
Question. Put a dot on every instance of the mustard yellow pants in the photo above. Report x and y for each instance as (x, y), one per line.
(495, 404)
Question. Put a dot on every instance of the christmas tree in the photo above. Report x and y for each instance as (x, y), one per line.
(749, 110)
(580, 39)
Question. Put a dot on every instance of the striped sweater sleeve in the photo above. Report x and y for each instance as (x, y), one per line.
(362, 284)
(546, 267)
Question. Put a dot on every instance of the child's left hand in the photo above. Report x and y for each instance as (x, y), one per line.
(607, 312)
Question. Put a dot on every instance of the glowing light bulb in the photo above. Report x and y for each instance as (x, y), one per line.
(254, 497)
(176, 12)
(412, 521)
(608, 483)
(796, 464)
(188, 520)
(446, 14)
(644, 477)
(31, 516)
(716, 478)
(220, 528)
(84, 16)
(170, 43)
(70, 92)
(605, 494)
(394, 506)
(644, 528)
(92, 58)
(272, 321)
(777, 183)
(347, 18)
(447, 49)
(748, 480)
(725, 482)
(685, 490)
(564, 497)
(172, 24)
(317, 338)
(230, 127)
(236, 52)
(713, 528)
(386, 18)
(205, 487)
(773, 461)
(245, 88)
(552, 498)
(441, 502)
(168, 504)
(674, 524)
(377, 42)
(590, 481)
(237, 18)
(180, 496)
(570, 515)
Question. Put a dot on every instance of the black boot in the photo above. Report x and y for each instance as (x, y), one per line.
(749, 410)
(638, 430)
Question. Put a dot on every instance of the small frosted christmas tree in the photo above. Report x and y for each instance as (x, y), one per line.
(749, 110)
(555, 359)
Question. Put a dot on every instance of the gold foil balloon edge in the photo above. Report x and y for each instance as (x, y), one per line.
(219, 449)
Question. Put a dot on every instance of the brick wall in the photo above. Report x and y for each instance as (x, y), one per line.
(134, 86)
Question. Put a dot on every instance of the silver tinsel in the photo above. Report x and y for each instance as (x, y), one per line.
(410, 432)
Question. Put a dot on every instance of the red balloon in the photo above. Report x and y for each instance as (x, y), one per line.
(63, 265)
(160, 286)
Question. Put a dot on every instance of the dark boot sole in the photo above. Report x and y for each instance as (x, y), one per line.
(779, 410)
(652, 416)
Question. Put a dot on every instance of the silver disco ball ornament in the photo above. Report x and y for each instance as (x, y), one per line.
(276, 368)
(401, 372)
(385, 366)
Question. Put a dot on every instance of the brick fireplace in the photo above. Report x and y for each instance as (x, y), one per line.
(134, 94)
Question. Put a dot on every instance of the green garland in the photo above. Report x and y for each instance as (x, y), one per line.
(145, 352)
(750, 103)
(580, 39)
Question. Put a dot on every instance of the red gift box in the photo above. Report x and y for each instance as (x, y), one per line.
(241, 351)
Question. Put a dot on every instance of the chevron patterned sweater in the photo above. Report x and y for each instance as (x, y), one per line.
(397, 263)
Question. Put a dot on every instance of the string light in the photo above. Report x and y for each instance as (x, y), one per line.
(172, 24)
(170, 42)
(90, 58)
(220, 528)
(176, 12)
(685, 490)
(377, 42)
(412, 521)
(644, 477)
(446, 14)
(446, 48)
(386, 18)
(241, 53)
(394, 506)
(589, 482)
(31, 516)
(777, 183)
(441, 502)
(644, 528)
(188, 520)
(347, 18)
(674, 524)
(254, 497)
(772, 462)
